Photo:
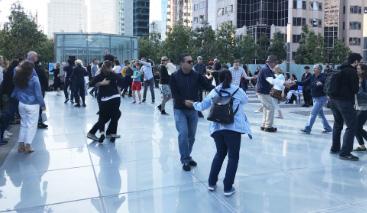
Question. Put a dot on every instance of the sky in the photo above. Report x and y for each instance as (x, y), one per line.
(39, 7)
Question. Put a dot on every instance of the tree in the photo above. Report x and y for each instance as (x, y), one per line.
(278, 47)
(339, 53)
(246, 49)
(151, 47)
(203, 40)
(20, 35)
(226, 42)
(262, 49)
(178, 41)
(311, 48)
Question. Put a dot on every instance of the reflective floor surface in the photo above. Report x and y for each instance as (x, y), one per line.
(278, 172)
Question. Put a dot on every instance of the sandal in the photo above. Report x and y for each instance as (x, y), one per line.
(28, 149)
(21, 148)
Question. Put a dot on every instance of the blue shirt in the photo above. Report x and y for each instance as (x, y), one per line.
(30, 95)
(241, 123)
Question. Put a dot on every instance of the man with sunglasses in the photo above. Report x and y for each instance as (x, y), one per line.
(185, 85)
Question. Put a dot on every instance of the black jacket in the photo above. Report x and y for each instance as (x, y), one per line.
(317, 91)
(78, 75)
(110, 89)
(163, 75)
(349, 84)
(200, 68)
(186, 87)
(42, 77)
(306, 83)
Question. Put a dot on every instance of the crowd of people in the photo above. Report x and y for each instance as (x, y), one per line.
(193, 87)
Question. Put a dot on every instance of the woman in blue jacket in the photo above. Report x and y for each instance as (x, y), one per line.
(227, 137)
(29, 94)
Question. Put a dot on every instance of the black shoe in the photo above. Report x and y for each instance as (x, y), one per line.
(305, 131)
(164, 112)
(159, 107)
(42, 126)
(349, 157)
(262, 128)
(143, 101)
(101, 139)
(112, 140)
(84, 105)
(152, 102)
(270, 129)
(305, 105)
(77, 105)
(230, 192)
(186, 167)
(66, 100)
(193, 163)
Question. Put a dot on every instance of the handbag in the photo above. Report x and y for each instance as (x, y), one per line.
(277, 94)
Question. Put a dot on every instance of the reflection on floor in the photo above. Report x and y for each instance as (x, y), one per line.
(282, 172)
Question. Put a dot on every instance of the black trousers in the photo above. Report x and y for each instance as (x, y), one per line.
(361, 134)
(343, 112)
(127, 87)
(79, 92)
(307, 97)
(108, 111)
(67, 85)
(227, 143)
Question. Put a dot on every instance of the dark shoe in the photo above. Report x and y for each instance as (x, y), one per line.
(159, 107)
(66, 100)
(71, 101)
(84, 105)
(143, 101)
(327, 131)
(193, 163)
(305, 105)
(270, 129)
(77, 105)
(200, 114)
(262, 128)
(112, 140)
(93, 137)
(164, 112)
(305, 131)
(42, 126)
(230, 192)
(152, 102)
(101, 139)
(349, 157)
(334, 151)
(212, 188)
(360, 149)
(186, 167)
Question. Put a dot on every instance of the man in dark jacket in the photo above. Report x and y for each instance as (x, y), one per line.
(200, 68)
(306, 87)
(263, 88)
(342, 106)
(68, 70)
(185, 85)
(164, 79)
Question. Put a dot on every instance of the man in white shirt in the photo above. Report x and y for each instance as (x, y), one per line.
(238, 73)
(147, 69)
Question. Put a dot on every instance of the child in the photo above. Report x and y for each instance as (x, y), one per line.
(136, 84)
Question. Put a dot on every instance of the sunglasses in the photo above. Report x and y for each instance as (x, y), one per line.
(189, 62)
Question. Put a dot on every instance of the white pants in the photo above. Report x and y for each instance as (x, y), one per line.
(29, 115)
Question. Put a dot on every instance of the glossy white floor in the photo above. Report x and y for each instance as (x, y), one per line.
(282, 172)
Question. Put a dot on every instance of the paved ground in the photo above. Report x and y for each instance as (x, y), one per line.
(282, 172)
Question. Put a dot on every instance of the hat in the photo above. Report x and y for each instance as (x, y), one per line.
(272, 59)
(164, 58)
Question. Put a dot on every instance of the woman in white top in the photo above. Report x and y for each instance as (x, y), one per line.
(278, 84)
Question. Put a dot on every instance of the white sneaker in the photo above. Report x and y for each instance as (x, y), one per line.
(212, 188)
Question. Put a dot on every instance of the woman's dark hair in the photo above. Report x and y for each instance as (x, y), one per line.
(117, 62)
(225, 78)
(23, 74)
(13, 64)
(106, 66)
(363, 75)
(109, 57)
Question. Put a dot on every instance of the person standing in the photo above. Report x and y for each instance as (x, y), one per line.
(361, 107)
(68, 72)
(227, 137)
(306, 87)
(200, 68)
(185, 85)
(317, 82)
(136, 84)
(342, 106)
(57, 79)
(78, 82)
(29, 94)
(238, 72)
(94, 69)
(263, 88)
(128, 79)
(164, 83)
(148, 79)
(216, 70)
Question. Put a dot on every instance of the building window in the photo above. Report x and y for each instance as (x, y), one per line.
(220, 12)
(299, 4)
(356, 9)
(296, 38)
(365, 10)
(297, 21)
(316, 22)
(196, 6)
(355, 25)
(354, 41)
(316, 6)
(202, 5)
(229, 9)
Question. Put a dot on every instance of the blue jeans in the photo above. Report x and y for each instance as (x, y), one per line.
(227, 143)
(317, 110)
(186, 124)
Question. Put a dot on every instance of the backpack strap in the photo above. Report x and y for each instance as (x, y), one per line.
(235, 92)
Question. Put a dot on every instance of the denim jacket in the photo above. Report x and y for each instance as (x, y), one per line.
(31, 95)
(241, 123)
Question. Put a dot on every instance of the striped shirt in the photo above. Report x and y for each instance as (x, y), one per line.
(237, 74)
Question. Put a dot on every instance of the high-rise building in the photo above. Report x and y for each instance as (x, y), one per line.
(199, 13)
(141, 17)
(67, 16)
(128, 18)
(104, 16)
(179, 12)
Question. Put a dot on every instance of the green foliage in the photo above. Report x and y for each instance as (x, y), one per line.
(339, 53)
(311, 49)
(262, 49)
(20, 35)
(226, 42)
(151, 47)
(203, 42)
(178, 41)
(246, 49)
(278, 47)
